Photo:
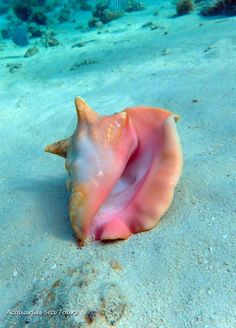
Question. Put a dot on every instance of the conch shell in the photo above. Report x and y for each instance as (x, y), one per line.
(122, 170)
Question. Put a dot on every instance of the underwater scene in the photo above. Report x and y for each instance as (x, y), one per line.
(118, 167)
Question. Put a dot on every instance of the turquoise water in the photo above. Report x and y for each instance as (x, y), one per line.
(25, 22)
(115, 54)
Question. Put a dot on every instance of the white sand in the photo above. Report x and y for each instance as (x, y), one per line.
(180, 274)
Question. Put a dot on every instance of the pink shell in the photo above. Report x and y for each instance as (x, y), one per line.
(123, 170)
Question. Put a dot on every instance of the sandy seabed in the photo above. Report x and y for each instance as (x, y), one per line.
(181, 274)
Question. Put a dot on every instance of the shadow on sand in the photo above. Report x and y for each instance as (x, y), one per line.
(51, 201)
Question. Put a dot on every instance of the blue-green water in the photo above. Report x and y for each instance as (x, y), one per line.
(180, 274)
(26, 21)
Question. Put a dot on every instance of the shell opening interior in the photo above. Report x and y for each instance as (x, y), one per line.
(128, 184)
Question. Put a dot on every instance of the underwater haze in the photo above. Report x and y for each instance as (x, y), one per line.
(178, 55)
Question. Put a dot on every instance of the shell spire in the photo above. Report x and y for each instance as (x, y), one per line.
(85, 114)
